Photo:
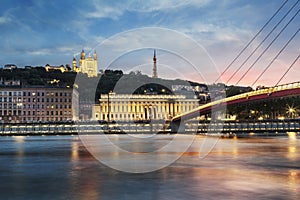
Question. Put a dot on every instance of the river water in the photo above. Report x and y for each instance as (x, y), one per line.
(61, 167)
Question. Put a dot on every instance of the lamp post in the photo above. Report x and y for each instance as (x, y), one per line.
(291, 111)
(108, 107)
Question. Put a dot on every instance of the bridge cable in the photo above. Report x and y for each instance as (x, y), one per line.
(242, 51)
(268, 46)
(287, 70)
(276, 57)
(266, 37)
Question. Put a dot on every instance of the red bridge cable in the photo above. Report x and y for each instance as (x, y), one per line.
(242, 51)
(276, 57)
(287, 70)
(268, 46)
(266, 37)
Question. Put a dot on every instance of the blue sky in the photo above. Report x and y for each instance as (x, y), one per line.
(37, 32)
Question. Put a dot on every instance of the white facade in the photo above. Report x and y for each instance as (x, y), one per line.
(126, 107)
(88, 65)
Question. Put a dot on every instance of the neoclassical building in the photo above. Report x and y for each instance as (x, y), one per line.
(126, 107)
(87, 65)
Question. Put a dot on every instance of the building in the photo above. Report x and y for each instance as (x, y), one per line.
(9, 82)
(87, 65)
(38, 104)
(10, 66)
(126, 107)
(60, 68)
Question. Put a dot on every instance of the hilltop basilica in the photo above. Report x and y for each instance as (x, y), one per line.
(87, 65)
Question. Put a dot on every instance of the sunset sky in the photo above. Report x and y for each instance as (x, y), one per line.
(36, 32)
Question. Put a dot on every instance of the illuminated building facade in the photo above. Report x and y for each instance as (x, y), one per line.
(126, 107)
(38, 104)
(87, 65)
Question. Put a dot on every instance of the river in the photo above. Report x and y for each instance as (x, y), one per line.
(61, 167)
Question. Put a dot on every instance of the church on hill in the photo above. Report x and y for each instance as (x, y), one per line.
(87, 65)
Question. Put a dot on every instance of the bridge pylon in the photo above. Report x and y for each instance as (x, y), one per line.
(177, 126)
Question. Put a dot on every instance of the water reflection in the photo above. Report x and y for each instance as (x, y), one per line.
(293, 145)
(19, 142)
(61, 168)
(293, 181)
(75, 149)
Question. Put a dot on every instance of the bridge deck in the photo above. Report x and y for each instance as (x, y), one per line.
(262, 94)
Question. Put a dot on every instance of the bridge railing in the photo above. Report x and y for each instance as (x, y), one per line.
(244, 95)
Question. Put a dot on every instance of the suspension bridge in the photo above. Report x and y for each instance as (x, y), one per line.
(285, 17)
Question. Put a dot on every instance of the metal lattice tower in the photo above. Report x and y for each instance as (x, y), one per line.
(154, 66)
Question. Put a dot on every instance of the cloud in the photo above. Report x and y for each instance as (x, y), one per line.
(104, 10)
(4, 20)
(163, 5)
(114, 9)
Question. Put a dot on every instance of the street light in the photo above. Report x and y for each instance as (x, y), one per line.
(291, 111)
